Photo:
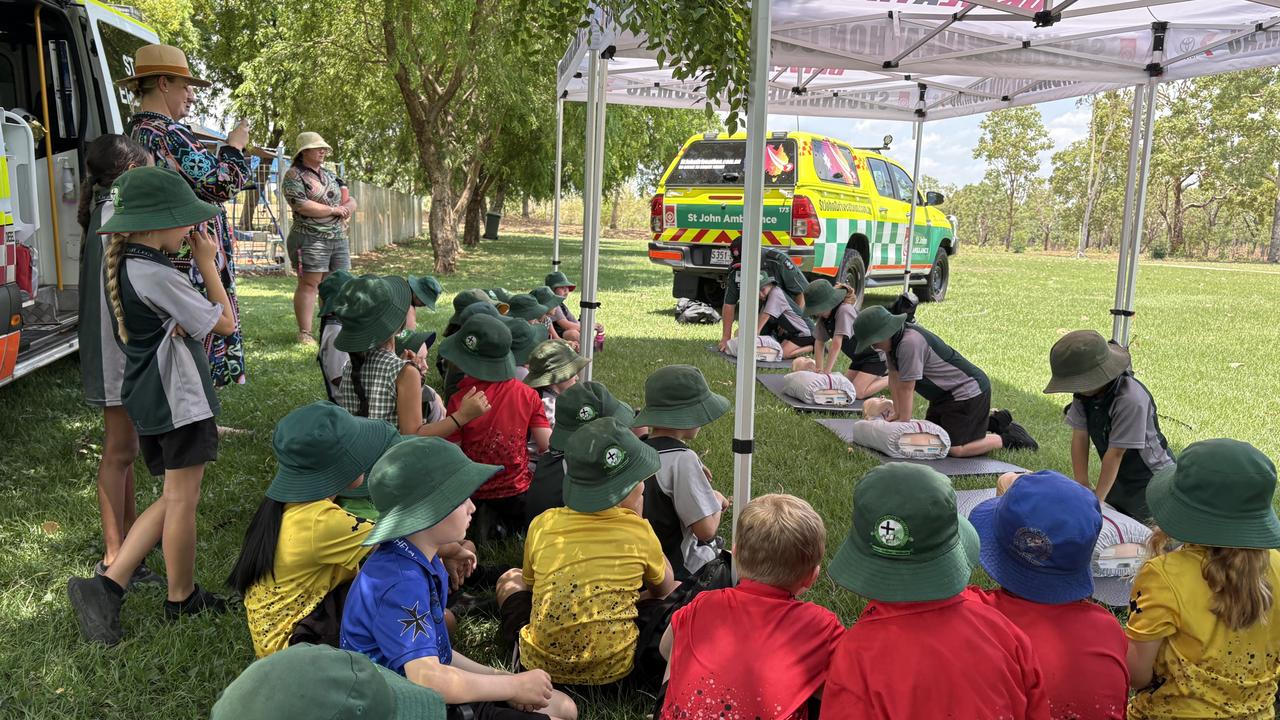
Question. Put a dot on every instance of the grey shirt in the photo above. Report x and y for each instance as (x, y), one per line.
(1133, 423)
(845, 314)
(778, 306)
(914, 359)
(681, 478)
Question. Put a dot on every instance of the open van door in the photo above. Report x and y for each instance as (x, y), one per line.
(117, 37)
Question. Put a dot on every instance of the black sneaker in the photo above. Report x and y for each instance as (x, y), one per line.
(201, 600)
(1016, 437)
(142, 575)
(999, 421)
(97, 609)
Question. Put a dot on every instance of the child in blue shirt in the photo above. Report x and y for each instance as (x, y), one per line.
(395, 609)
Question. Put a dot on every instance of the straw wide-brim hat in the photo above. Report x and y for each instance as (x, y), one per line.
(161, 60)
(310, 141)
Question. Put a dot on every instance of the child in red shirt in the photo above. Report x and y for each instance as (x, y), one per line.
(778, 550)
(481, 349)
(921, 648)
(1037, 542)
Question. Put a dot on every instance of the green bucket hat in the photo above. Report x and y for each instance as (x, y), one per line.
(481, 349)
(557, 280)
(426, 289)
(412, 340)
(677, 397)
(499, 294)
(821, 296)
(330, 287)
(582, 403)
(527, 307)
(321, 449)
(389, 441)
(1218, 494)
(483, 308)
(372, 308)
(524, 338)
(907, 542)
(154, 198)
(876, 324)
(604, 462)
(471, 297)
(307, 681)
(547, 297)
(553, 361)
(1083, 361)
(417, 483)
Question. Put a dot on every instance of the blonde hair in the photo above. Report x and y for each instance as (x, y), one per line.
(1239, 579)
(803, 364)
(112, 259)
(779, 540)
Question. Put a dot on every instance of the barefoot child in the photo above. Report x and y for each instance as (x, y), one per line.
(679, 501)
(835, 309)
(395, 609)
(302, 550)
(167, 389)
(778, 550)
(1113, 411)
(1204, 626)
(101, 360)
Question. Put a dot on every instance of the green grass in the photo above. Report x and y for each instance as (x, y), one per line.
(1207, 343)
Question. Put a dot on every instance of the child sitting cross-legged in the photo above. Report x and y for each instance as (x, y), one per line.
(679, 501)
(922, 648)
(553, 368)
(778, 550)
(481, 349)
(302, 550)
(395, 611)
(578, 603)
(1204, 626)
(1038, 541)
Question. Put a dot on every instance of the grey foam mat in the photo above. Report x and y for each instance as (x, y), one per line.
(949, 466)
(779, 365)
(1113, 591)
(774, 383)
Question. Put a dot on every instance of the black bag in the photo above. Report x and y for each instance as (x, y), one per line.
(905, 304)
(717, 574)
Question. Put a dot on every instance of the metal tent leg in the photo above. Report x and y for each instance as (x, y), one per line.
(555, 208)
(1122, 277)
(753, 212)
(598, 71)
(1139, 217)
(909, 244)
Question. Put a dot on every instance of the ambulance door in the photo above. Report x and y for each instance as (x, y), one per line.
(891, 221)
(117, 37)
(921, 256)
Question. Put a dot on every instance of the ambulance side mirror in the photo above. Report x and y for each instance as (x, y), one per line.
(933, 199)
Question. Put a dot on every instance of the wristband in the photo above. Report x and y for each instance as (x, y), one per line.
(455, 421)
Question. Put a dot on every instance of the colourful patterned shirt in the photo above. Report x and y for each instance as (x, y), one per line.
(302, 183)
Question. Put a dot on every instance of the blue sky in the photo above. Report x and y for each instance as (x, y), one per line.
(948, 144)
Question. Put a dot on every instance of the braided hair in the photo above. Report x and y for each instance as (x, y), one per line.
(112, 259)
(104, 160)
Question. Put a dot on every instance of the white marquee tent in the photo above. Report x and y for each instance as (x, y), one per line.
(917, 60)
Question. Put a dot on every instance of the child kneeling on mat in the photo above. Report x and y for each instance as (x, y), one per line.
(780, 317)
(573, 605)
(835, 309)
(679, 501)
(778, 550)
(302, 550)
(395, 610)
(1038, 542)
(910, 554)
(1204, 626)
(161, 320)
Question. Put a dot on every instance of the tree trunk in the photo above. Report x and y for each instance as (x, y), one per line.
(1175, 222)
(500, 197)
(472, 221)
(1008, 233)
(443, 228)
(1273, 250)
(524, 208)
(613, 210)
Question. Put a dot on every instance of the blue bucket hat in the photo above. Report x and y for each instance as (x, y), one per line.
(1038, 539)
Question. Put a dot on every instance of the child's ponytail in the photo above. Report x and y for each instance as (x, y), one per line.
(1239, 579)
(258, 554)
(113, 257)
(357, 383)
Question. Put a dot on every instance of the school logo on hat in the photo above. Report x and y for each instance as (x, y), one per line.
(471, 342)
(891, 536)
(614, 456)
(1032, 545)
(587, 413)
(115, 197)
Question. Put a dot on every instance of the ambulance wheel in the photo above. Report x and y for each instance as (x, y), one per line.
(938, 279)
(853, 273)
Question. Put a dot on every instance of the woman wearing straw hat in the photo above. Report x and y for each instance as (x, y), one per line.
(165, 88)
(317, 243)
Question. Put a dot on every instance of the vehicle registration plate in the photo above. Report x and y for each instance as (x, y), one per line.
(720, 256)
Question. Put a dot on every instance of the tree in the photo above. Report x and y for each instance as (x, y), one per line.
(971, 205)
(1011, 142)
(1107, 121)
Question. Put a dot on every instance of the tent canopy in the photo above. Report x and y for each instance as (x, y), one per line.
(871, 58)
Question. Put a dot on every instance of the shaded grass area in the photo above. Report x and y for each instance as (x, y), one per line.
(1206, 342)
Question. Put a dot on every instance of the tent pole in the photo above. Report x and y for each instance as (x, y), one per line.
(749, 284)
(1135, 251)
(555, 208)
(1122, 277)
(909, 243)
(598, 70)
